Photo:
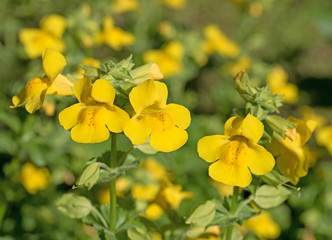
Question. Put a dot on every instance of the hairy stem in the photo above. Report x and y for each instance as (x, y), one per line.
(112, 185)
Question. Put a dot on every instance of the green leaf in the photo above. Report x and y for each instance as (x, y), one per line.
(269, 196)
(203, 214)
(74, 206)
(137, 234)
(274, 178)
(89, 176)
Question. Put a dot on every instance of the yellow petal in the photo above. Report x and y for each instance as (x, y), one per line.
(82, 90)
(69, 117)
(304, 128)
(148, 94)
(155, 72)
(209, 148)
(92, 126)
(53, 63)
(54, 24)
(179, 114)
(61, 86)
(153, 212)
(249, 127)
(229, 174)
(169, 139)
(103, 91)
(138, 129)
(116, 119)
(34, 92)
(260, 161)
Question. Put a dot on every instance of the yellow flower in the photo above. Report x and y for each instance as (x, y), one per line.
(216, 41)
(176, 4)
(113, 36)
(292, 159)
(88, 62)
(173, 194)
(324, 137)
(237, 151)
(121, 6)
(53, 83)
(122, 185)
(49, 35)
(91, 120)
(153, 212)
(308, 113)
(277, 80)
(165, 124)
(34, 179)
(255, 9)
(155, 170)
(144, 192)
(168, 58)
(263, 226)
(243, 63)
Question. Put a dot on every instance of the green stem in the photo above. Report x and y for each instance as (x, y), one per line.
(229, 229)
(112, 185)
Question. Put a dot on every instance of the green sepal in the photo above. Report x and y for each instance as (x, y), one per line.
(137, 234)
(269, 196)
(91, 72)
(274, 178)
(89, 176)
(74, 206)
(278, 124)
(202, 215)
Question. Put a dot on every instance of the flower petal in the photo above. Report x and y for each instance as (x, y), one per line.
(260, 161)
(92, 126)
(179, 114)
(138, 129)
(169, 139)
(116, 119)
(230, 174)
(249, 127)
(82, 90)
(209, 148)
(53, 63)
(147, 94)
(61, 86)
(54, 24)
(69, 117)
(103, 91)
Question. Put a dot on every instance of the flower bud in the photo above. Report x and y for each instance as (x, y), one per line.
(89, 176)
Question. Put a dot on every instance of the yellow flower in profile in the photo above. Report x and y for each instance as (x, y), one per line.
(292, 159)
(91, 120)
(113, 36)
(88, 62)
(34, 179)
(153, 212)
(175, 4)
(168, 58)
(145, 192)
(52, 84)
(216, 41)
(35, 40)
(308, 113)
(164, 123)
(155, 169)
(121, 6)
(263, 226)
(237, 151)
(173, 194)
(324, 137)
(277, 81)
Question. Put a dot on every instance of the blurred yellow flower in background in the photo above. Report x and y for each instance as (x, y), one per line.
(153, 212)
(122, 184)
(88, 62)
(263, 226)
(52, 84)
(155, 169)
(324, 137)
(33, 178)
(175, 4)
(217, 42)
(121, 6)
(164, 123)
(255, 9)
(243, 63)
(308, 113)
(35, 40)
(173, 194)
(237, 151)
(91, 120)
(145, 192)
(292, 159)
(168, 58)
(113, 36)
(277, 80)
